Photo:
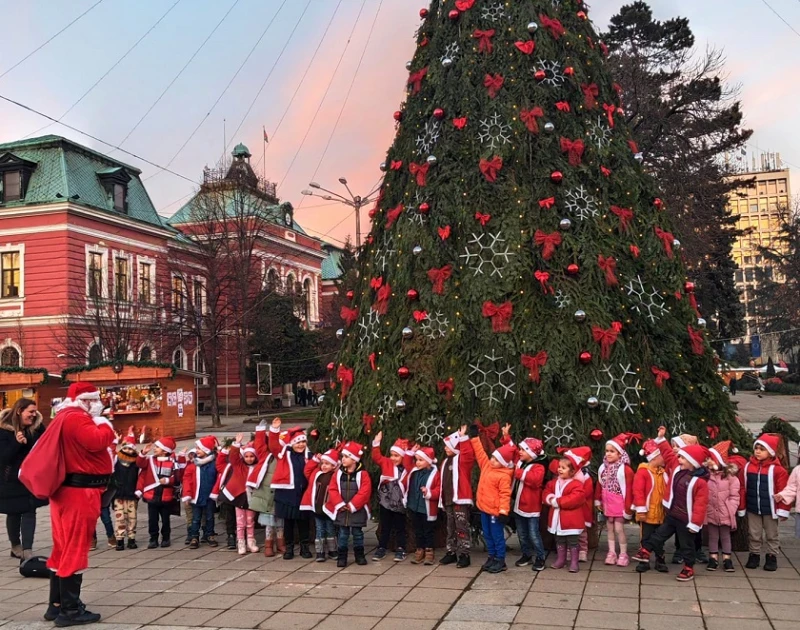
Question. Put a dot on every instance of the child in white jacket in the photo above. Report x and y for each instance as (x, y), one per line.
(789, 495)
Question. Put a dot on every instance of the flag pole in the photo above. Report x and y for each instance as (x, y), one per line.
(264, 157)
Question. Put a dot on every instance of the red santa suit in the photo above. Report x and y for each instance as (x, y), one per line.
(567, 498)
(75, 506)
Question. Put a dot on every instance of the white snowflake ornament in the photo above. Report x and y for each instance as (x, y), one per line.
(580, 204)
(649, 303)
(600, 133)
(558, 432)
(492, 377)
(427, 140)
(431, 431)
(553, 76)
(368, 327)
(619, 389)
(494, 12)
(435, 326)
(494, 131)
(487, 253)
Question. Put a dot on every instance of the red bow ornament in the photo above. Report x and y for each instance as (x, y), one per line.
(438, 277)
(548, 243)
(420, 172)
(605, 171)
(484, 40)
(533, 363)
(634, 147)
(345, 376)
(489, 432)
(713, 431)
(603, 48)
(661, 376)
(381, 305)
(415, 80)
(574, 150)
(444, 232)
(563, 106)
(392, 215)
(625, 216)
(460, 123)
(420, 316)
(493, 83)
(483, 219)
(491, 168)
(464, 5)
(529, 116)
(552, 25)
(666, 239)
(349, 315)
(367, 420)
(447, 388)
(590, 94)
(609, 267)
(610, 109)
(635, 251)
(696, 339)
(526, 48)
(376, 283)
(397, 165)
(693, 304)
(372, 361)
(500, 314)
(546, 204)
(606, 337)
(543, 277)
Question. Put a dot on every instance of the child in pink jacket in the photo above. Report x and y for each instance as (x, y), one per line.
(723, 502)
(789, 495)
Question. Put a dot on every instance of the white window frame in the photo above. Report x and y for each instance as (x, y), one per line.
(171, 294)
(9, 343)
(103, 251)
(184, 357)
(10, 247)
(146, 260)
(120, 254)
(203, 307)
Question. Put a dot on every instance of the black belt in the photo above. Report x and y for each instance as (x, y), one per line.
(80, 480)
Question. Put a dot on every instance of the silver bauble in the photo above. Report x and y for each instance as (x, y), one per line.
(702, 322)
(580, 316)
(447, 62)
(340, 333)
(417, 250)
(676, 244)
(592, 402)
(320, 398)
(549, 127)
(408, 333)
(533, 27)
(408, 65)
(432, 160)
(400, 405)
(565, 224)
(384, 167)
(639, 157)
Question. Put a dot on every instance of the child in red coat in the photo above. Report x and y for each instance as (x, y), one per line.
(686, 500)
(614, 495)
(421, 490)
(456, 496)
(319, 471)
(565, 495)
(242, 460)
(394, 469)
(158, 477)
(526, 502)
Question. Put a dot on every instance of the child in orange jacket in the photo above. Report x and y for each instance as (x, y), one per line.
(494, 496)
(649, 485)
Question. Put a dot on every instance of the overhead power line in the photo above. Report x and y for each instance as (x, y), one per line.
(50, 39)
(781, 18)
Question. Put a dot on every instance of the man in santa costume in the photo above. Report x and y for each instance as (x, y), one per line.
(85, 437)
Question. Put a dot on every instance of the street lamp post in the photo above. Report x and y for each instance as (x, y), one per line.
(354, 201)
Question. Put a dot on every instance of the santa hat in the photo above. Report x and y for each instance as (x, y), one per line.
(207, 444)
(353, 450)
(426, 453)
(579, 456)
(650, 450)
(453, 441)
(168, 444)
(400, 446)
(506, 455)
(553, 466)
(83, 391)
(719, 452)
(683, 440)
(295, 435)
(620, 443)
(331, 456)
(250, 447)
(532, 446)
(695, 454)
(130, 438)
(770, 442)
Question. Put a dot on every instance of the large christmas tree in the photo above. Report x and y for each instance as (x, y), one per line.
(520, 266)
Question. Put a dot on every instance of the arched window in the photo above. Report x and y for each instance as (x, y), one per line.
(290, 284)
(308, 296)
(273, 281)
(95, 354)
(179, 359)
(146, 354)
(10, 357)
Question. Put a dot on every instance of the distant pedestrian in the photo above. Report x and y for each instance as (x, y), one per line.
(733, 384)
(302, 396)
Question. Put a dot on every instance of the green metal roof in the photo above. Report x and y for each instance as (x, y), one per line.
(240, 150)
(274, 213)
(332, 265)
(65, 169)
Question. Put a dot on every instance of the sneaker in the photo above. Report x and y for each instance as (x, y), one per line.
(399, 555)
(753, 561)
(642, 567)
(449, 558)
(154, 543)
(194, 544)
(212, 542)
(623, 560)
(321, 557)
(463, 561)
(380, 554)
(120, 546)
(538, 564)
(188, 541)
(661, 564)
(231, 542)
(524, 561)
(686, 574)
(677, 558)
(771, 563)
(499, 566)
(642, 555)
(112, 542)
(611, 558)
(132, 544)
(713, 564)
(727, 564)
(166, 543)
(489, 562)
(583, 556)
(701, 557)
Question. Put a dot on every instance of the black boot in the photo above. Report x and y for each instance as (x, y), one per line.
(305, 551)
(361, 560)
(341, 562)
(771, 563)
(132, 544)
(73, 612)
(232, 541)
(54, 601)
(289, 553)
(661, 564)
(153, 544)
(753, 561)
(449, 558)
(120, 544)
(463, 561)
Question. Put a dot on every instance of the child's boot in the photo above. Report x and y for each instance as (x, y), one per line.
(132, 544)
(269, 550)
(252, 546)
(250, 526)
(361, 559)
(120, 544)
(154, 542)
(289, 553)
(429, 559)
(561, 557)
(305, 551)
(574, 560)
(463, 561)
(753, 561)
(661, 564)
(231, 542)
(280, 540)
(332, 552)
(771, 563)
(419, 556)
(319, 547)
(341, 561)
(241, 546)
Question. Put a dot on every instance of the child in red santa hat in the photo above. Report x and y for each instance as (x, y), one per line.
(421, 491)
(158, 477)
(649, 486)
(764, 478)
(723, 503)
(789, 495)
(456, 497)
(686, 500)
(349, 494)
(199, 483)
(126, 501)
(319, 471)
(566, 496)
(394, 469)
(614, 495)
(243, 461)
(494, 496)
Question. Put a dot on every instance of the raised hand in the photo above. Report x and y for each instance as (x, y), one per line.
(276, 423)
(379, 436)
(147, 448)
(662, 431)
(239, 438)
(463, 430)
(506, 429)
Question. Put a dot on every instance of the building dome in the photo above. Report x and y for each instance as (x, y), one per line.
(241, 151)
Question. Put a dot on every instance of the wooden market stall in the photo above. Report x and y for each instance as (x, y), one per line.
(16, 383)
(156, 399)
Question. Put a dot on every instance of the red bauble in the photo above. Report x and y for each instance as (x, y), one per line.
(688, 286)
(370, 239)
(403, 372)
(314, 435)
(585, 357)
(423, 13)
(438, 113)
(540, 75)
(658, 203)
(424, 207)
(454, 14)
(582, 15)
(398, 115)
(556, 177)
(331, 366)
(372, 213)
(350, 294)
(573, 269)
(596, 435)
(569, 71)
(412, 294)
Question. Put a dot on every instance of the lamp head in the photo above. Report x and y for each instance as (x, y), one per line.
(343, 180)
(314, 185)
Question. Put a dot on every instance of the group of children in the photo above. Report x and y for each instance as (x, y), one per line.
(275, 480)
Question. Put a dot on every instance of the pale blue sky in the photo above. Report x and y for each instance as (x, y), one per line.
(763, 57)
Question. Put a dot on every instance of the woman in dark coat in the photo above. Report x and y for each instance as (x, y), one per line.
(20, 428)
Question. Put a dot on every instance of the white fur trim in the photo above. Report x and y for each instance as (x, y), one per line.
(99, 420)
(689, 458)
(330, 460)
(351, 455)
(160, 445)
(421, 454)
(500, 459)
(766, 446)
(677, 441)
